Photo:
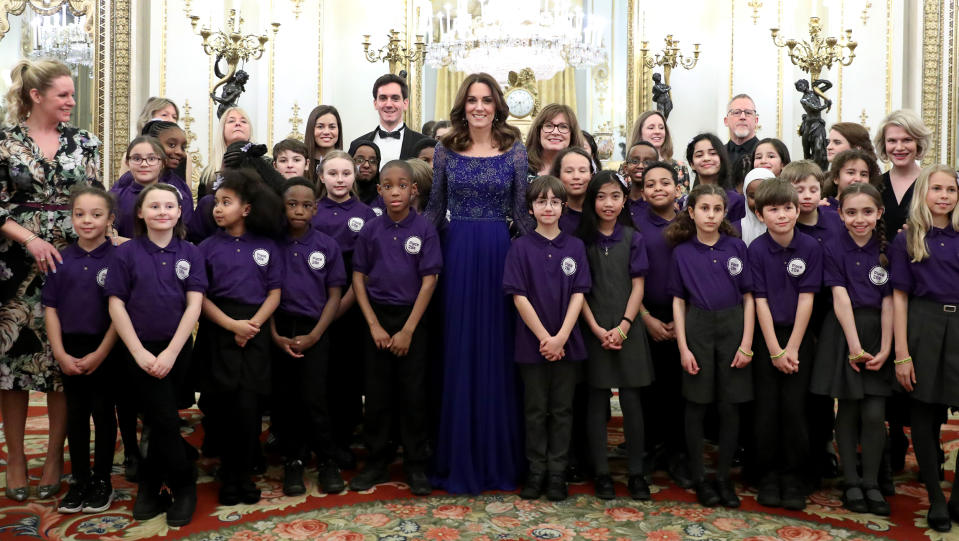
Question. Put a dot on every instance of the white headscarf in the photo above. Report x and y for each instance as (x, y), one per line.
(752, 227)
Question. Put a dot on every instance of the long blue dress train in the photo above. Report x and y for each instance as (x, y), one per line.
(479, 444)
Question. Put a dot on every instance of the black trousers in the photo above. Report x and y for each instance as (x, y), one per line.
(396, 390)
(157, 400)
(345, 381)
(90, 394)
(300, 409)
(663, 402)
(782, 436)
(548, 410)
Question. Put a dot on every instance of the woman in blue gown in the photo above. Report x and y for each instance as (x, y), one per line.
(480, 180)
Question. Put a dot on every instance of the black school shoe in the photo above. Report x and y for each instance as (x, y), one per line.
(769, 492)
(329, 478)
(533, 487)
(249, 493)
(706, 494)
(727, 493)
(293, 484)
(556, 487)
(638, 487)
(131, 467)
(181, 510)
(73, 501)
(99, 496)
(793, 496)
(604, 487)
(369, 477)
(149, 502)
(678, 470)
(419, 483)
(876, 502)
(854, 500)
(938, 518)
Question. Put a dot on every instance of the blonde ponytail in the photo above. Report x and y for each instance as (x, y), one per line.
(25, 76)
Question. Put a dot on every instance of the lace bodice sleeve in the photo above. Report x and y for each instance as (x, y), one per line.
(436, 206)
(521, 218)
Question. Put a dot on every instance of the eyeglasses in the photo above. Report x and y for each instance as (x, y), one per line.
(748, 112)
(562, 128)
(360, 161)
(548, 203)
(150, 160)
(636, 161)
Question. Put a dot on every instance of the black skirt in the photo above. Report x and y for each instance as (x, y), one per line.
(714, 338)
(933, 331)
(832, 374)
(225, 365)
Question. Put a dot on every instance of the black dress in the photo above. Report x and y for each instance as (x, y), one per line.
(896, 212)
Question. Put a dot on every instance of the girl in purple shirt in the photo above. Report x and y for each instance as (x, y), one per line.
(925, 271)
(155, 288)
(713, 316)
(341, 215)
(574, 167)
(855, 343)
(245, 275)
(81, 337)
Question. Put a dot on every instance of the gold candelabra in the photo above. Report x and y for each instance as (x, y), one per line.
(394, 53)
(669, 58)
(230, 44)
(819, 52)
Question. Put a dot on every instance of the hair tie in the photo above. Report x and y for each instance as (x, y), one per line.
(246, 147)
(622, 180)
(217, 182)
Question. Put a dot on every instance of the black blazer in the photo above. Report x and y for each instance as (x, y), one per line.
(410, 140)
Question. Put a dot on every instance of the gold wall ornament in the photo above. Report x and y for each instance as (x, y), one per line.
(865, 13)
(297, 8)
(295, 121)
(601, 85)
(669, 58)
(270, 93)
(49, 7)
(755, 4)
(932, 76)
(396, 54)
(819, 52)
(863, 117)
(230, 44)
(119, 21)
(187, 119)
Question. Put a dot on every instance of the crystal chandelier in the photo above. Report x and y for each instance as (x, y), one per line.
(504, 35)
(62, 36)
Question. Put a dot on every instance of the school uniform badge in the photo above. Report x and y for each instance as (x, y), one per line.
(734, 266)
(568, 265)
(317, 260)
(102, 277)
(878, 275)
(261, 257)
(796, 267)
(378, 211)
(182, 269)
(413, 245)
(355, 224)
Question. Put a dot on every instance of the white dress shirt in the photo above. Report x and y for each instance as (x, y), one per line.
(389, 147)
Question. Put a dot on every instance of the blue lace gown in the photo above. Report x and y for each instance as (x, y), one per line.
(479, 444)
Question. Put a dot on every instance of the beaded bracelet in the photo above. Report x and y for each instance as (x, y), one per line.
(744, 352)
(907, 360)
(858, 356)
(644, 313)
(621, 333)
(627, 320)
(778, 355)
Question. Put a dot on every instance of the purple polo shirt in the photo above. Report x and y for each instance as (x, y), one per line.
(548, 273)
(202, 224)
(312, 265)
(126, 190)
(569, 221)
(76, 290)
(935, 277)
(781, 274)
(737, 206)
(395, 256)
(378, 205)
(638, 262)
(153, 282)
(659, 252)
(857, 269)
(342, 221)
(636, 207)
(242, 269)
(829, 226)
(713, 277)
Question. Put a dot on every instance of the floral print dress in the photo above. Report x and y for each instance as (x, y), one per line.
(35, 193)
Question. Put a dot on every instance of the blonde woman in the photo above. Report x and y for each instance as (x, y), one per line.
(235, 125)
(901, 139)
(43, 157)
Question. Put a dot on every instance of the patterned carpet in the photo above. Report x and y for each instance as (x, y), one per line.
(389, 513)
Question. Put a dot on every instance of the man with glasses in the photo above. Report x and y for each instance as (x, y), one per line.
(741, 119)
(396, 141)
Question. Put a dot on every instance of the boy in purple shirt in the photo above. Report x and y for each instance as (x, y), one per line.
(547, 275)
(787, 273)
(309, 299)
(396, 263)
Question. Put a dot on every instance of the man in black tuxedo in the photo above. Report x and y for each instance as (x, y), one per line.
(391, 98)
(741, 119)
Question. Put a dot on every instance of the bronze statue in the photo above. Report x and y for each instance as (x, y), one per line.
(233, 82)
(813, 128)
(664, 103)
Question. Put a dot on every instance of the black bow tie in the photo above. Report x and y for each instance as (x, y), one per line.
(394, 134)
